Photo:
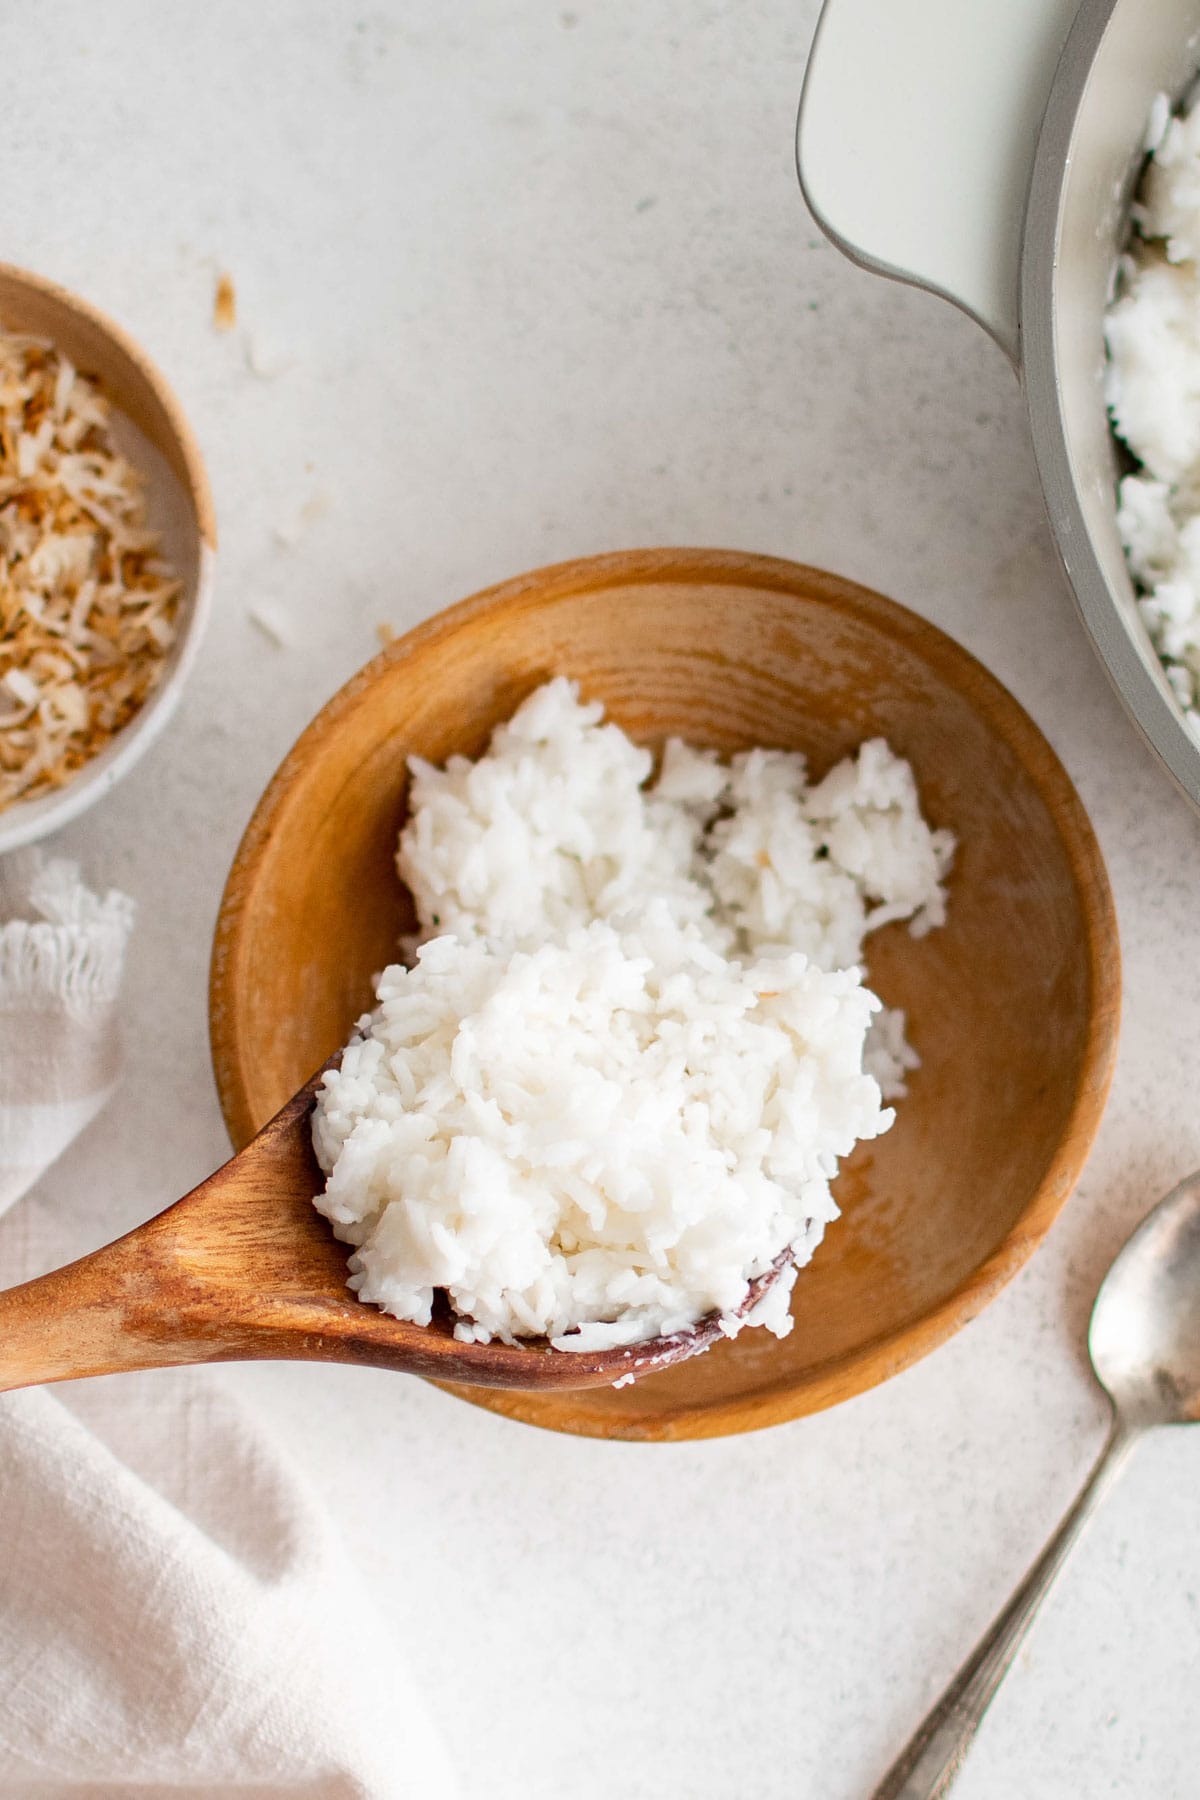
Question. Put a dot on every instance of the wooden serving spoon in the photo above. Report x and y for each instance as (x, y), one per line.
(244, 1267)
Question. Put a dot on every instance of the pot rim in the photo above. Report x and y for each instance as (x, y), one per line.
(1137, 679)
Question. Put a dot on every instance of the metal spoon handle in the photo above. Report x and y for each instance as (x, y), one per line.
(929, 1764)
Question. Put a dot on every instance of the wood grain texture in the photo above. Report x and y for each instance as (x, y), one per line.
(1013, 1005)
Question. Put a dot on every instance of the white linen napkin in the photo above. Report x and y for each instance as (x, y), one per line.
(177, 1616)
(61, 954)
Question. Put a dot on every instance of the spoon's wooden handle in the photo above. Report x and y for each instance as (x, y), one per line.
(201, 1282)
(929, 1764)
(106, 1312)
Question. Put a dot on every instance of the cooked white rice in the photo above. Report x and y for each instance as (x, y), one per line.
(616, 1084)
(1153, 391)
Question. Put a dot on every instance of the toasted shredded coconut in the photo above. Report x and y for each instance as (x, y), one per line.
(87, 605)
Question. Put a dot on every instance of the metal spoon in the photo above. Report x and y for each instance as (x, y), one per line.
(1144, 1342)
(244, 1267)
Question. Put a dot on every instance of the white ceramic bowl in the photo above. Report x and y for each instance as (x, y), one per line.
(152, 429)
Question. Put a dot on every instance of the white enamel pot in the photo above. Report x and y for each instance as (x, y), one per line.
(988, 150)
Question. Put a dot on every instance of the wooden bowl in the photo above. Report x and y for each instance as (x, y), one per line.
(150, 428)
(1013, 1005)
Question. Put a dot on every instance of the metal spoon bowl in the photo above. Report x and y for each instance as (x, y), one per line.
(1144, 1339)
(1144, 1342)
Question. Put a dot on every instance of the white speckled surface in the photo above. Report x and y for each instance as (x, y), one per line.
(547, 286)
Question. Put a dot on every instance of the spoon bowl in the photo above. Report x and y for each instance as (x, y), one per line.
(244, 1267)
(1144, 1339)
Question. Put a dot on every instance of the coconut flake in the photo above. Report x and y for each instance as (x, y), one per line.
(88, 608)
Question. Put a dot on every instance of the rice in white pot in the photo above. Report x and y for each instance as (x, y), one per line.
(1153, 391)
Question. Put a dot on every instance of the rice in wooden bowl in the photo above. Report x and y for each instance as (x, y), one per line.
(1012, 1004)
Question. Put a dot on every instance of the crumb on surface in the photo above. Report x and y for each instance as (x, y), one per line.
(265, 359)
(289, 531)
(270, 621)
(224, 316)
